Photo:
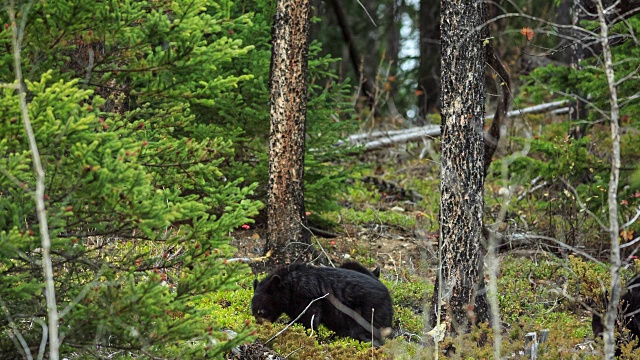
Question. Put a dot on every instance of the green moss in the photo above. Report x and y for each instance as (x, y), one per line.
(299, 343)
(373, 216)
(230, 309)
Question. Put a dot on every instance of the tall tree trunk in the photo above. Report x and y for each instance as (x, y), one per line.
(564, 17)
(459, 291)
(368, 88)
(429, 67)
(576, 53)
(287, 236)
(394, 11)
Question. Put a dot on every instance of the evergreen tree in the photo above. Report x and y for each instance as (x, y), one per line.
(139, 207)
(584, 163)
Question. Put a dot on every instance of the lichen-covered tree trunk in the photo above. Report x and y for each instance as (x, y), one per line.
(460, 287)
(287, 235)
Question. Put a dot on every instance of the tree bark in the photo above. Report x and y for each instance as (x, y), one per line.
(356, 59)
(287, 236)
(429, 67)
(576, 54)
(394, 11)
(459, 291)
(564, 17)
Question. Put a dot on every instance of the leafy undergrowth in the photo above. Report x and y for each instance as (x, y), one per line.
(530, 301)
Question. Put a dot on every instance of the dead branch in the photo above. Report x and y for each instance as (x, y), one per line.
(492, 136)
(379, 139)
(614, 226)
(296, 319)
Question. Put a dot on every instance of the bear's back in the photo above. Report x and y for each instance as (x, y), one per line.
(356, 290)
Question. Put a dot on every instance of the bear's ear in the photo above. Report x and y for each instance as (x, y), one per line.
(276, 281)
(376, 272)
(255, 284)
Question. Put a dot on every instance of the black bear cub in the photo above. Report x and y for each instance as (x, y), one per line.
(352, 265)
(291, 289)
(629, 311)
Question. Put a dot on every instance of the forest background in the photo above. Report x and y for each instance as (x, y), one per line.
(152, 124)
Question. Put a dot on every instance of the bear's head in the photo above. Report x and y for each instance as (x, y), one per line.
(269, 300)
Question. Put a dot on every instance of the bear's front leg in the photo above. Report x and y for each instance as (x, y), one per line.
(311, 318)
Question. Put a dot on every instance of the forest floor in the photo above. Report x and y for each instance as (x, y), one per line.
(381, 228)
(388, 247)
(399, 235)
(407, 258)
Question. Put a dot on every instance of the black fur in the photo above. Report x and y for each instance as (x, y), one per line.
(290, 289)
(355, 266)
(629, 310)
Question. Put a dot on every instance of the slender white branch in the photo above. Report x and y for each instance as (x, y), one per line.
(630, 243)
(296, 319)
(533, 188)
(633, 219)
(612, 306)
(412, 135)
(50, 295)
(537, 109)
(43, 341)
(15, 334)
(366, 12)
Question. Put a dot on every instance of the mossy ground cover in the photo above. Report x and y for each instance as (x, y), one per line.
(537, 290)
(527, 304)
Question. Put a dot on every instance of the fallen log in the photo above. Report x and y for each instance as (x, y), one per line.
(380, 138)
